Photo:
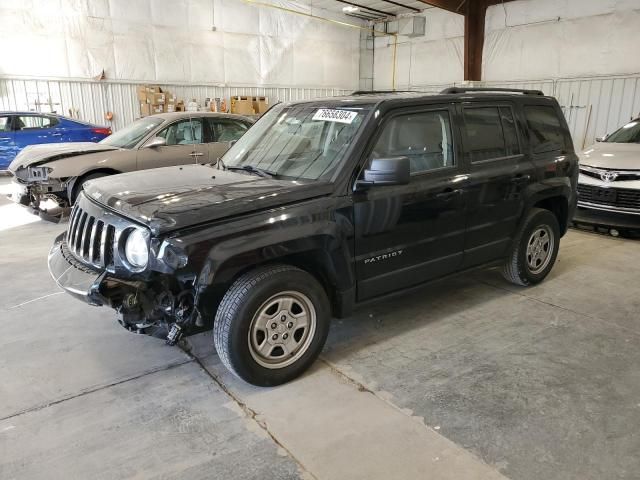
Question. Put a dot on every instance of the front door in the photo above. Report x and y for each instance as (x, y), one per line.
(33, 129)
(184, 145)
(498, 176)
(408, 234)
(7, 145)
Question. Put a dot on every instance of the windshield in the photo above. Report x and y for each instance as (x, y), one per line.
(130, 135)
(299, 141)
(630, 133)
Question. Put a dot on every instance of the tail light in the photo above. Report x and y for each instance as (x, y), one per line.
(101, 131)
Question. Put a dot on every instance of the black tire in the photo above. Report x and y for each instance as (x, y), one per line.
(517, 268)
(246, 296)
(77, 188)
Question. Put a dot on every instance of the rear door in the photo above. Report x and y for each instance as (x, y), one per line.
(407, 234)
(223, 133)
(8, 149)
(499, 173)
(78, 132)
(184, 145)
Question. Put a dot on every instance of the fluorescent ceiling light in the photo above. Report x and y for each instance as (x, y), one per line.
(350, 9)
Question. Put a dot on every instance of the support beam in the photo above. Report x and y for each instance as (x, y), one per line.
(392, 2)
(475, 14)
(455, 6)
(363, 7)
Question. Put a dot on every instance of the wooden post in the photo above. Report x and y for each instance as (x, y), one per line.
(475, 14)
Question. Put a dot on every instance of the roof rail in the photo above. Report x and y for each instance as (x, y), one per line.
(453, 90)
(378, 92)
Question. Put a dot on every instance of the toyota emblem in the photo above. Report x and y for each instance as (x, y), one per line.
(608, 176)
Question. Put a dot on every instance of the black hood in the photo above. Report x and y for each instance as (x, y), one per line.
(170, 198)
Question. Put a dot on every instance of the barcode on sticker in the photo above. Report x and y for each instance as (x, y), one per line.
(330, 115)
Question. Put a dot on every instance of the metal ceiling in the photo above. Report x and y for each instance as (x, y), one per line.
(371, 9)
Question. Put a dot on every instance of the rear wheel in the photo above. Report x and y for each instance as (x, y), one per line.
(271, 324)
(535, 249)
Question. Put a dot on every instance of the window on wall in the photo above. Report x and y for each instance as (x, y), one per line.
(546, 131)
(423, 137)
(491, 133)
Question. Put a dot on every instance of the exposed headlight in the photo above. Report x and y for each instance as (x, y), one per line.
(136, 249)
(38, 174)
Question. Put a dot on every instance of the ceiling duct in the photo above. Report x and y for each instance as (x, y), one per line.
(414, 26)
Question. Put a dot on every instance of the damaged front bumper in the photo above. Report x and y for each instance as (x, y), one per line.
(150, 307)
(74, 278)
(47, 200)
(19, 193)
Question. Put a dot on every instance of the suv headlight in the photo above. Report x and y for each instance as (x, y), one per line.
(136, 249)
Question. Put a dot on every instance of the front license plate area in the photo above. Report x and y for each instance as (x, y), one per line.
(605, 195)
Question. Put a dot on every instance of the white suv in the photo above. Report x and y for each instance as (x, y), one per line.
(609, 182)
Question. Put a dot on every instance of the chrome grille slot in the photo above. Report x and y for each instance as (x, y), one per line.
(94, 246)
(79, 233)
(92, 233)
(86, 237)
(109, 244)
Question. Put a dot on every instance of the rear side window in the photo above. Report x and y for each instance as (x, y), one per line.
(423, 137)
(227, 131)
(545, 130)
(491, 133)
(5, 124)
(32, 122)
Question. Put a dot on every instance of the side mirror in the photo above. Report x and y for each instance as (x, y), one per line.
(232, 143)
(156, 142)
(387, 171)
(601, 139)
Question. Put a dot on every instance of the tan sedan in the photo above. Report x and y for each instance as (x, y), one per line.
(49, 177)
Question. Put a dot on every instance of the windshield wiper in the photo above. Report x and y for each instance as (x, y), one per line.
(251, 169)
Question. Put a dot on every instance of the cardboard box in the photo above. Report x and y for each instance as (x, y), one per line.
(156, 98)
(157, 108)
(146, 93)
(170, 98)
(242, 105)
(260, 104)
(180, 106)
(170, 107)
(142, 93)
(145, 109)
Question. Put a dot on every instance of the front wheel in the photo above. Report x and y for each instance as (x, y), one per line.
(535, 249)
(271, 324)
(77, 188)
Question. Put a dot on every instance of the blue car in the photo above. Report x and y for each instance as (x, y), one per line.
(20, 129)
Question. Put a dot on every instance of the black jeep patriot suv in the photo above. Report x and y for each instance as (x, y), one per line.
(321, 205)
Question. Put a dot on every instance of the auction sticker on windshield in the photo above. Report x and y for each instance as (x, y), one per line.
(330, 115)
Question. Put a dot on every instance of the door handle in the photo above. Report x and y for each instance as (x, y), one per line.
(56, 134)
(448, 194)
(196, 154)
(521, 179)
(5, 138)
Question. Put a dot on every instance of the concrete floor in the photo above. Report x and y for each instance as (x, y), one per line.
(469, 378)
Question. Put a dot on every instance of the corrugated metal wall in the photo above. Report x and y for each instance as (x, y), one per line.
(593, 106)
(89, 101)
